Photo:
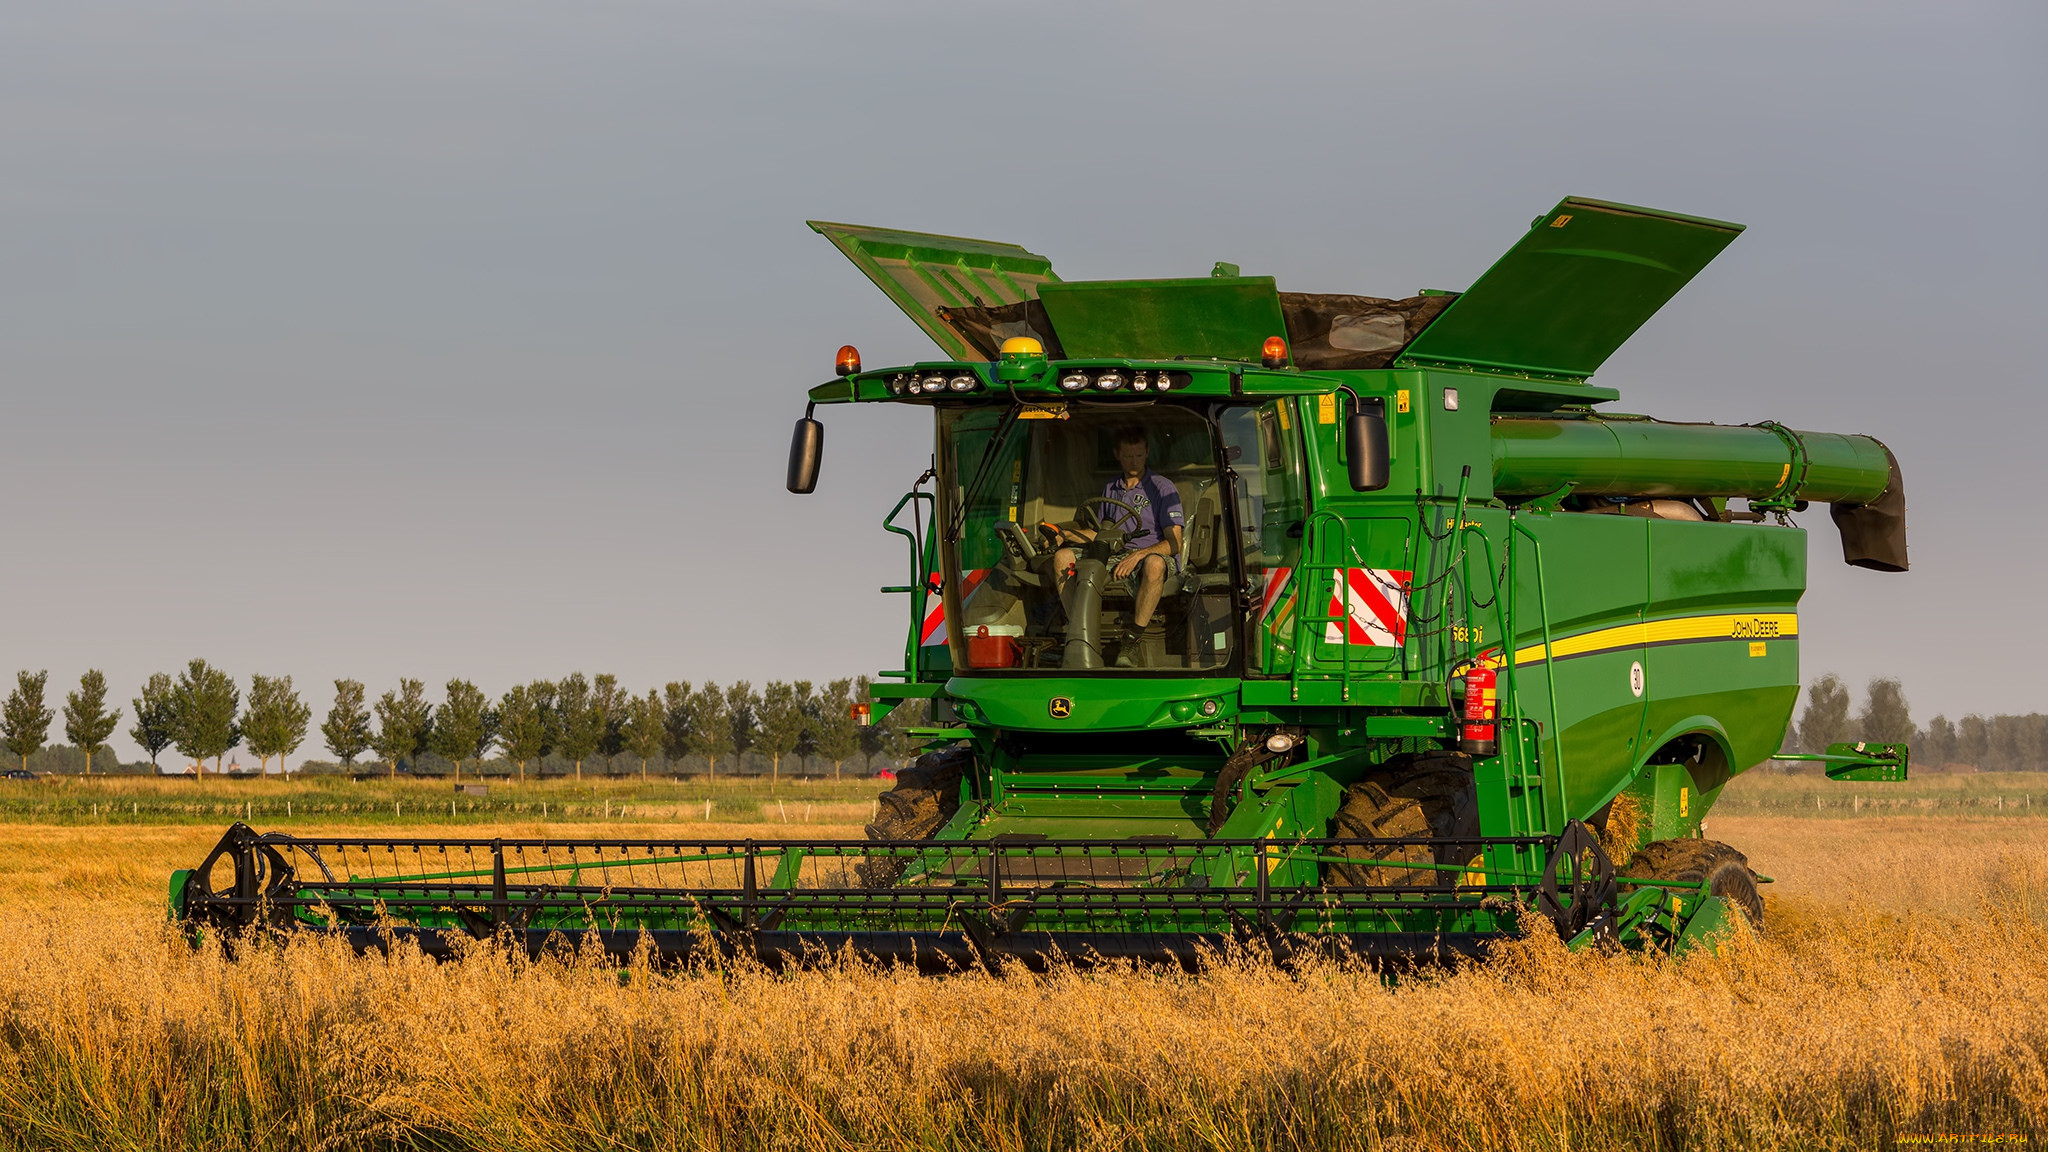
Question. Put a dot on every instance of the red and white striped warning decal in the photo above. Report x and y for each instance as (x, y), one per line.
(933, 632)
(1276, 591)
(1373, 605)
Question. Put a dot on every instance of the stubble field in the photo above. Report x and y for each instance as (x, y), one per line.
(1899, 997)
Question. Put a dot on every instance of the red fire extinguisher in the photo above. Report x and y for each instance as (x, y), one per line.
(1482, 707)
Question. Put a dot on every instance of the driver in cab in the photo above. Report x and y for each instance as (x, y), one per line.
(1151, 526)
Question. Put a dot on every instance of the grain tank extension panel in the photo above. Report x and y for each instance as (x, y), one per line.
(1571, 291)
(929, 276)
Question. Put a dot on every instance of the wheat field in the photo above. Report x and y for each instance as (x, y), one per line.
(1898, 997)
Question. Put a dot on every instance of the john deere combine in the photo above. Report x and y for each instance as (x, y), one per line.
(1248, 617)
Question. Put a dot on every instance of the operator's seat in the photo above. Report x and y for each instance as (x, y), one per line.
(1191, 464)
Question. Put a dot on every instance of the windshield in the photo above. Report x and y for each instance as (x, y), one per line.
(1086, 537)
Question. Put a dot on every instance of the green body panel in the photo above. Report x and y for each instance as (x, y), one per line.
(1584, 278)
(1738, 685)
(1225, 318)
(1058, 814)
(1093, 704)
(1699, 616)
(1591, 573)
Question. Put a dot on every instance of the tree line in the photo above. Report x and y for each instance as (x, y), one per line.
(2000, 743)
(202, 713)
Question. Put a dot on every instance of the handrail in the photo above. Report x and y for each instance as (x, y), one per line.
(918, 587)
(1306, 617)
(1511, 636)
(1549, 661)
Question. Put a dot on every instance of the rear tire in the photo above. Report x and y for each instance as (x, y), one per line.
(1418, 794)
(926, 795)
(1691, 861)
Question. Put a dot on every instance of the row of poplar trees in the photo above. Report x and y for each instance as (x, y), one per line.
(201, 713)
(581, 718)
(25, 720)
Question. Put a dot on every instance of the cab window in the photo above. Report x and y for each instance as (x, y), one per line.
(1262, 446)
(1088, 539)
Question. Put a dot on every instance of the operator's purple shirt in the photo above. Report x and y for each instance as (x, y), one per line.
(1154, 515)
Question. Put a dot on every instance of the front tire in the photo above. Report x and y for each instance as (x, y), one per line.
(1690, 861)
(925, 797)
(1419, 794)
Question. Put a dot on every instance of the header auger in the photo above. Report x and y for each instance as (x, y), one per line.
(1296, 621)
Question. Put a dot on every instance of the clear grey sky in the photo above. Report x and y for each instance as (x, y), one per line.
(381, 340)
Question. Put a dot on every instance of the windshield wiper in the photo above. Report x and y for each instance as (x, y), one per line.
(989, 455)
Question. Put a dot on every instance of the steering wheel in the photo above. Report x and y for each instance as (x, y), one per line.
(1089, 515)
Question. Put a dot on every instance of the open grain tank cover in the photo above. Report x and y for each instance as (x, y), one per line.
(928, 276)
(1587, 275)
(1327, 330)
(970, 296)
(1874, 534)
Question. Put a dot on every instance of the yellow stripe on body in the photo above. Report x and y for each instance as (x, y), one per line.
(1743, 626)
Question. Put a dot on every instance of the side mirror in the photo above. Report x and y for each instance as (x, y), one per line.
(807, 448)
(1365, 444)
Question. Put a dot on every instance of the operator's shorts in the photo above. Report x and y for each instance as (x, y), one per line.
(1172, 566)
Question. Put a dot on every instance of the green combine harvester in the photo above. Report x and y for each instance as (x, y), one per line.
(1246, 618)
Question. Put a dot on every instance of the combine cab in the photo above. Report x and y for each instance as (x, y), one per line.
(1247, 617)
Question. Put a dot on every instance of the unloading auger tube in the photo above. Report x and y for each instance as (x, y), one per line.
(1414, 644)
(1774, 467)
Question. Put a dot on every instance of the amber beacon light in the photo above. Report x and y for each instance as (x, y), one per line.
(1274, 355)
(849, 360)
